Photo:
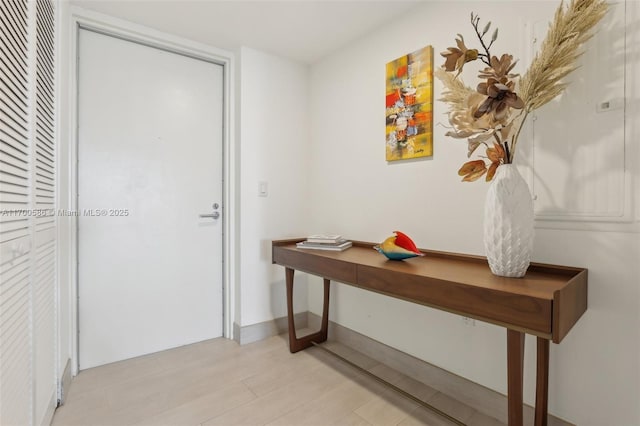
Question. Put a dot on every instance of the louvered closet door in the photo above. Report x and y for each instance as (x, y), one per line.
(27, 219)
(15, 228)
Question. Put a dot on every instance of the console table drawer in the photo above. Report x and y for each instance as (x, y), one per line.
(502, 308)
(322, 266)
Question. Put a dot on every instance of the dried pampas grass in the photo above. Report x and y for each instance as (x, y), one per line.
(561, 48)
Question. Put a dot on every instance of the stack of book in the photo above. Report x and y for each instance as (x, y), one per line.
(325, 242)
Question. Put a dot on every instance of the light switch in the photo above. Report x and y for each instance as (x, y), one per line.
(263, 189)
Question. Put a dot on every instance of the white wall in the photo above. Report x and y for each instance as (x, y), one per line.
(274, 147)
(595, 371)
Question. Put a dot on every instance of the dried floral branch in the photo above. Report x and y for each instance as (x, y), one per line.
(484, 57)
(495, 109)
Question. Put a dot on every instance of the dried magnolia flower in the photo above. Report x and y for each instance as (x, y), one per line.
(500, 95)
(499, 68)
(455, 58)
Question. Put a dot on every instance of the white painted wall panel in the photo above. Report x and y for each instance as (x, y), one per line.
(579, 161)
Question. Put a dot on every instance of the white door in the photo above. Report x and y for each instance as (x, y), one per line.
(150, 161)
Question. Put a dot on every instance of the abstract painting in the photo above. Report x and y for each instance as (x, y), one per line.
(409, 110)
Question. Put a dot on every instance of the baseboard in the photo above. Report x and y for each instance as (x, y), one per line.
(65, 383)
(236, 332)
(482, 399)
(255, 332)
(47, 418)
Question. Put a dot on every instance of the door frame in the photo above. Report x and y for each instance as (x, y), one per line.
(107, 25)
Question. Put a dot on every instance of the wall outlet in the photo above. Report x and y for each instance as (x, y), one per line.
(610, 105)
(469, 321)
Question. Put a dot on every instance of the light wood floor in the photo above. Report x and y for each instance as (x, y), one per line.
(218, 382)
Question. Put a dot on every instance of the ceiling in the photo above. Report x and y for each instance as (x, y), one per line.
(302, 30)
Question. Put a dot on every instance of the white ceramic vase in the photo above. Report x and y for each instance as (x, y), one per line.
(508, 223)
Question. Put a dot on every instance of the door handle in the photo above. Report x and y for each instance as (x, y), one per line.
(214, 215)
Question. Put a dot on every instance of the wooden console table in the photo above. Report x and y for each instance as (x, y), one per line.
(546, 302)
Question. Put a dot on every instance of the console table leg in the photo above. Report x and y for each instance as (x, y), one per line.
(297, 344)
(515, 373)
(542, 381)
(292, 326)
(324, 330)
